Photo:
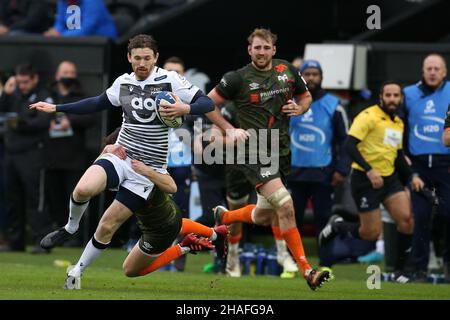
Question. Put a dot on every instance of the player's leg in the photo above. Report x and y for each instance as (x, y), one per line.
(284, 258)
(322, 201)
(367, 201)
(399, 206)
(97, 177)
(279, 198)
(112, 219)
(370, 225)
(118, 212)
(238, 194)
(300, 192)
(140, 263)
(277, 195)
(218, 233)
(233, 267)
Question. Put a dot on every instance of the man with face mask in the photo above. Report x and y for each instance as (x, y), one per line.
(66, 154)
(426, 103)
(375, 146)
(319, 160)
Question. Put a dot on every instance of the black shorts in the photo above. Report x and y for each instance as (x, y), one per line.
(236, 183)
(158, 242)
(366, 197)
(258, 174)
(160, 225)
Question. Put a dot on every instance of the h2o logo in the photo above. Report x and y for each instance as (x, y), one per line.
(140, 103)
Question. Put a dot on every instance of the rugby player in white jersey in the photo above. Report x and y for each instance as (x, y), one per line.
(142, 134)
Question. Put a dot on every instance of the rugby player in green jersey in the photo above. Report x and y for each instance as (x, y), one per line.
(266, 92)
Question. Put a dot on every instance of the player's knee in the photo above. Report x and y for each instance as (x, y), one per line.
(286, 211)
(264, 220)
(281, 201)
(105, 230)
(370, 234)
(406, 226)
(82, 192)
(129, 271)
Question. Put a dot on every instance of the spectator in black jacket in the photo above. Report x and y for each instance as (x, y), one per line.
(66, 154)
(24, 158)
(23, 16)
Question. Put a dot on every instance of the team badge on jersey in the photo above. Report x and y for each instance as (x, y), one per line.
(280, 68)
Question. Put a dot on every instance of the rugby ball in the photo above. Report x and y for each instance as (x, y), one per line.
(163, 99)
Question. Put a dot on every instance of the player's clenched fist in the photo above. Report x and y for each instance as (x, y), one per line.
(43, 106)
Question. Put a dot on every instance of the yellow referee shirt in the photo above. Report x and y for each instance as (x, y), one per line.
(381, 138)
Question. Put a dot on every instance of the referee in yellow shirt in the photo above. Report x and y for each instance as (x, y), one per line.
(375, 146)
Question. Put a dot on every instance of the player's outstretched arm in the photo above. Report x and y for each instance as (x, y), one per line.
(43, 107)
(89, 105)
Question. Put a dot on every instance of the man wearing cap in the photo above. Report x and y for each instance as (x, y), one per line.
(319, 162)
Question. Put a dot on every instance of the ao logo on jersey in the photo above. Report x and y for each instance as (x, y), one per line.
(139, 103)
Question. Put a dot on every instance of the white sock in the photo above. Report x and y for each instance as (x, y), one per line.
(281, 246)
(214, 236)
(380, 246)
(91, 252)
(184, 250)
(233, 248)
(75, 215)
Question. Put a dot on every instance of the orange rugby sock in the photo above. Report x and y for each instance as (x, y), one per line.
(234, 239)
(166, 257)
(190, 226)
(239, 215)
(277, 233)
(294, 243)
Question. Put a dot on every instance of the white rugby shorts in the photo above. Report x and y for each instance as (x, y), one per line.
(128, 178)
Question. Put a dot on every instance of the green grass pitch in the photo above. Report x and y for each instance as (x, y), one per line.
(28, 277)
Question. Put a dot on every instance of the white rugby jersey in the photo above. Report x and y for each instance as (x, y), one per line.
(143, 135)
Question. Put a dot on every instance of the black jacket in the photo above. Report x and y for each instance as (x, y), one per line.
(69, 153)
(32, 126)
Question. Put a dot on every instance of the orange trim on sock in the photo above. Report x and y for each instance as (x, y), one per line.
(277, 233)
(190, 226)
(239, 215)
(234, 239)
(166, 257)
(295, 245)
